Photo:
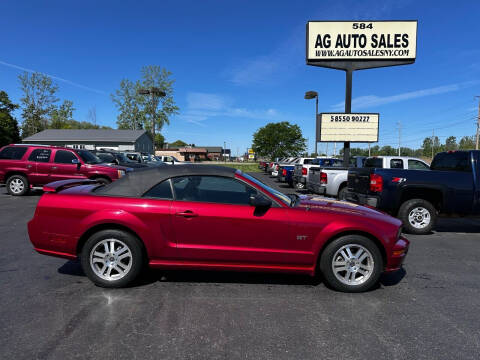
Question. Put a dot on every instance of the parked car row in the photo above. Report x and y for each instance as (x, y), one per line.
(405, 187)
(27, 166)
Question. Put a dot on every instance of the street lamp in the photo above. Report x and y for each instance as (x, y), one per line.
(314, 95)
(155, 94)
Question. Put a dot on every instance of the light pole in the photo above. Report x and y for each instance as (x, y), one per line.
(155, 93)
(314, 95)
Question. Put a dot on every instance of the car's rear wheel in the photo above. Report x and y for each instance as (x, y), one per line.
(418, 216)
(299, 186)
(112, 258)
(342, 194)
(17, 185)
(351, 263)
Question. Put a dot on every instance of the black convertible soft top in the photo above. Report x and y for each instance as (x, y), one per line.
(137, 182)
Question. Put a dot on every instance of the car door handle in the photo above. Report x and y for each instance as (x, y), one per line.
(187, 214)
(54, 168)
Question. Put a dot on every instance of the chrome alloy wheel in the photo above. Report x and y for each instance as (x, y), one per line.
(419, 217)
(111, 259)
(352, 264)
(16, 186)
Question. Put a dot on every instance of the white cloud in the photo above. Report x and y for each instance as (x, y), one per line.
(368, 101)
(54, 77)
(201, 106)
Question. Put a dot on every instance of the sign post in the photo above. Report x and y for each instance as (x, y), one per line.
(357, 45)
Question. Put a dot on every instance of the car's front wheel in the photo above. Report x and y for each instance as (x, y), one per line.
(17, 185)
(112, 258)
(351, 263)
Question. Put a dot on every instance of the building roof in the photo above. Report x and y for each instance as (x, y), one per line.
(138, 182)
(88, 135)
(212, 149)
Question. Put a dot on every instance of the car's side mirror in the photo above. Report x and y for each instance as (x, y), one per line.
(260, 201)
(76, 162)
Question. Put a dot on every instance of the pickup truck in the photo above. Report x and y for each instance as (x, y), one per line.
(417, 197)
(23, 166)
(333, 181)
(300, 173)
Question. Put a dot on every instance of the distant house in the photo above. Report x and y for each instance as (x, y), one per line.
(123, 140)
(195, 153)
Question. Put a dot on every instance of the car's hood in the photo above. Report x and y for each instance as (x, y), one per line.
(320, 204)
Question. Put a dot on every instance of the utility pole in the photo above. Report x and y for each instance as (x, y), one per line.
(433, 141)
(369, 150)
(478, 123)
(155, 93)
(399, 136)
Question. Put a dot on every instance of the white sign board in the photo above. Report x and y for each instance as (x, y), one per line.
(348, 127)
(361, 40)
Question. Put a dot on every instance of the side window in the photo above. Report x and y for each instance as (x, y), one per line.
(417, 165)
(64, 157)
(13, 152)
(456, 161)
(162, 190)
(106, 158)
(212, 189)
(396, 164)
(40, 155)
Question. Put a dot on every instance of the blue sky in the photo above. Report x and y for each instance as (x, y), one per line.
(241, 64)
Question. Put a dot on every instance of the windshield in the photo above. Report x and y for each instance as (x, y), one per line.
(88, 157)
(287, 200)
(122, 158)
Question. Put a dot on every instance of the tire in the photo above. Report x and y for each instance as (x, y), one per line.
(367, 267)
(299, 186)
(17, 185)
(342, 194)
(418, 216)
(107, 269)
(102, 180)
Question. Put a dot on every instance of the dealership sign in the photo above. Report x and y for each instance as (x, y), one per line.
(361, 41)
(358, 127)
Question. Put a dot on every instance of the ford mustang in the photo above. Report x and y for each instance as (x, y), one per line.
(212, 217)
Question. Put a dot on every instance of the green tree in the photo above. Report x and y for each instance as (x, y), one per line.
(279, 140)
(136, 111)
(61, 117)
(130, 105)
(37, 102)
(159, 141)
(427, 147)
(467, 143)
(177, 144)
(451, 143)
(9, 132)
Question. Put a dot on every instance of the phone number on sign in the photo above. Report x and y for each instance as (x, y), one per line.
(346, 118)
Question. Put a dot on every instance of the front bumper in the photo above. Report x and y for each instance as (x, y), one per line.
(363, 199)
(398, 254)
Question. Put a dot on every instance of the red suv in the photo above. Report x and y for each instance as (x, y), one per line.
(25, 166)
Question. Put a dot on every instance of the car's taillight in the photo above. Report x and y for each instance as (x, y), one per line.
(304, 171)
(376, 183)
(323, 178)
(284, 172)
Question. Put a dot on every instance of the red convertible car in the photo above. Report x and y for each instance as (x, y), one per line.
(212, 217)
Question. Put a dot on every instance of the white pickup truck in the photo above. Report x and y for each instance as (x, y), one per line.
(300, 173)
(333, 181)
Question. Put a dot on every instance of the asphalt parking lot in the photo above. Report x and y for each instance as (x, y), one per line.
(50, 310)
